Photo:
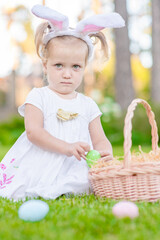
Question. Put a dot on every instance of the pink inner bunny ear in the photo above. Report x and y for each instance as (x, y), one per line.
(92, 28)
(58, 20)
(57, 24)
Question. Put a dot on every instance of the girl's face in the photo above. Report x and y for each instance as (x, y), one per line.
(65, 64)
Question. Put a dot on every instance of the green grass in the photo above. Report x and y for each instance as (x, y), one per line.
(80, 218)
(3, 151)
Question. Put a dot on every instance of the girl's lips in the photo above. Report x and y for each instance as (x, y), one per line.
(66, 82)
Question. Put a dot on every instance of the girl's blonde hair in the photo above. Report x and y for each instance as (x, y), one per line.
(104, 44)
(44, 28)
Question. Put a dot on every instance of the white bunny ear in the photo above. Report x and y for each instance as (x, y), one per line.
(58, 20)
(98, 22)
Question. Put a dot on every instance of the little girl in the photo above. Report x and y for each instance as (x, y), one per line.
(61, 125)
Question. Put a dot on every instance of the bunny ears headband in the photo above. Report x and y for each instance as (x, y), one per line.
(60, 25)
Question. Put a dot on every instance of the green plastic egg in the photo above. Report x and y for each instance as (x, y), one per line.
(92, 157)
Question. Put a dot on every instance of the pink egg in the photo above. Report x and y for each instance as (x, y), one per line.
(125, 209)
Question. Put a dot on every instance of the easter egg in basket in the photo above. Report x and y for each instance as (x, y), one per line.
(92, 157)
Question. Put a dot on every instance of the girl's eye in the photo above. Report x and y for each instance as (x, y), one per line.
(76, 66)
(58, 65)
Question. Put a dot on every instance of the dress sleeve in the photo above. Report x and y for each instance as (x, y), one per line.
(34, 97)
(94, 110)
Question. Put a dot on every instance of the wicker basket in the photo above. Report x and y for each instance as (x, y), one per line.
(130, 180)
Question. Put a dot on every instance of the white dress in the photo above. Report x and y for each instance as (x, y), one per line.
(29, 171)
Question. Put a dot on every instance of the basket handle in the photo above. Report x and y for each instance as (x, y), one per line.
(128, 128)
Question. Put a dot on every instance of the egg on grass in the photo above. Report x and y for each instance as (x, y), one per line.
(125, 209)
(33, 210)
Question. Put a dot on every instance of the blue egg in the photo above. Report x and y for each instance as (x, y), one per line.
(33, 210)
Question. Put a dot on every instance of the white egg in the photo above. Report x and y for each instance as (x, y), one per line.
(125, 209)
(33, 210)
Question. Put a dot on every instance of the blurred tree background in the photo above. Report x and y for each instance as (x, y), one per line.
(132, 72)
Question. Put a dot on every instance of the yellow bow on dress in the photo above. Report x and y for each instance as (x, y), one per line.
(65, 116)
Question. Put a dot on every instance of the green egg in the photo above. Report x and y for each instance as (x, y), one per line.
(92, 157)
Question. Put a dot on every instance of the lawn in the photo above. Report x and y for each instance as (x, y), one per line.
(80, 217)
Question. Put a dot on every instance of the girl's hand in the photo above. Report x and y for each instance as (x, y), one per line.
(105, 156)
(77, 149)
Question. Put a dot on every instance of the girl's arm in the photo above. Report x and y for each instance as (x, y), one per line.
(34, 125)
(37, 134)
(99, 140)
